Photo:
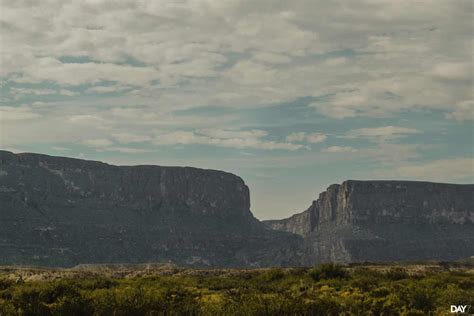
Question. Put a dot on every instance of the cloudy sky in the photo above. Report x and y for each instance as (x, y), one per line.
(290, 95)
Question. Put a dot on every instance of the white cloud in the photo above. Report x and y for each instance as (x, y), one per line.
(315, 138)
(68, 93)
(10, 113)
(443, 170)
(389, 154)
(381, 133)
(26, 91)
(272, 58)
(463, 71)
(21, 92)
(102, 144)
(107, 89)
(339, 149)
(380, 154)
(335, 61)
(242, 53)
(223, 138)
(126, 150)
(50, 69)
(249, 72)
(296, 137)
(86, 119)
(126, 138)
(312, 138)
(60, 148)
(463, 111)
(97, 143)
(225, 134)
(386, 94)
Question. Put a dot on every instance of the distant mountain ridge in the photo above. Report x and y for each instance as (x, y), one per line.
(57, 211)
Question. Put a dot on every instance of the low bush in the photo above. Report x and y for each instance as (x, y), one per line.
(328, 271)
(396, 274)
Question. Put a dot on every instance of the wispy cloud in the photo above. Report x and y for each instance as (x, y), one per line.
(21, 113)
(312, 138)
(442, 170)
(97, 143)
(382, 133)
(339, 149)
(224, 138)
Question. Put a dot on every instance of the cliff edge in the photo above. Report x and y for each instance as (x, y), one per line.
(58, 211)
(386, 221)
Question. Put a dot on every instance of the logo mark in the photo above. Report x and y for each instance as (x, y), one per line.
(460, 309)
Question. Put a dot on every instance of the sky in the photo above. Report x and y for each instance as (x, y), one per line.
(292, 96)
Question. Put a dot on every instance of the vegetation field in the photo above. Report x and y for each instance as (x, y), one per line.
(415, 289)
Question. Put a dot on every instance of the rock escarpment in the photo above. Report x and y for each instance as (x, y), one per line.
(386, 221)
(61, 212)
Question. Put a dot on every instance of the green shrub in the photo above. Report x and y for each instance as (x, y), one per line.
(272, 275)
(328, 271)
(254, 303)
(6, 308)
(396, 274)
(6, 283)
(366, 282)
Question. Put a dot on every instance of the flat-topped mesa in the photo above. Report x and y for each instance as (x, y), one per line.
(62, 212)
(384, 202)
(152, 188)
(386, 220)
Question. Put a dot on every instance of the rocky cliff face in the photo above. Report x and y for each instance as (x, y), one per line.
(386, 221)
(62, 212)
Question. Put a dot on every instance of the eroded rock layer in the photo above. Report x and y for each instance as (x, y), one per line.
(61, 212)
(386, 221)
